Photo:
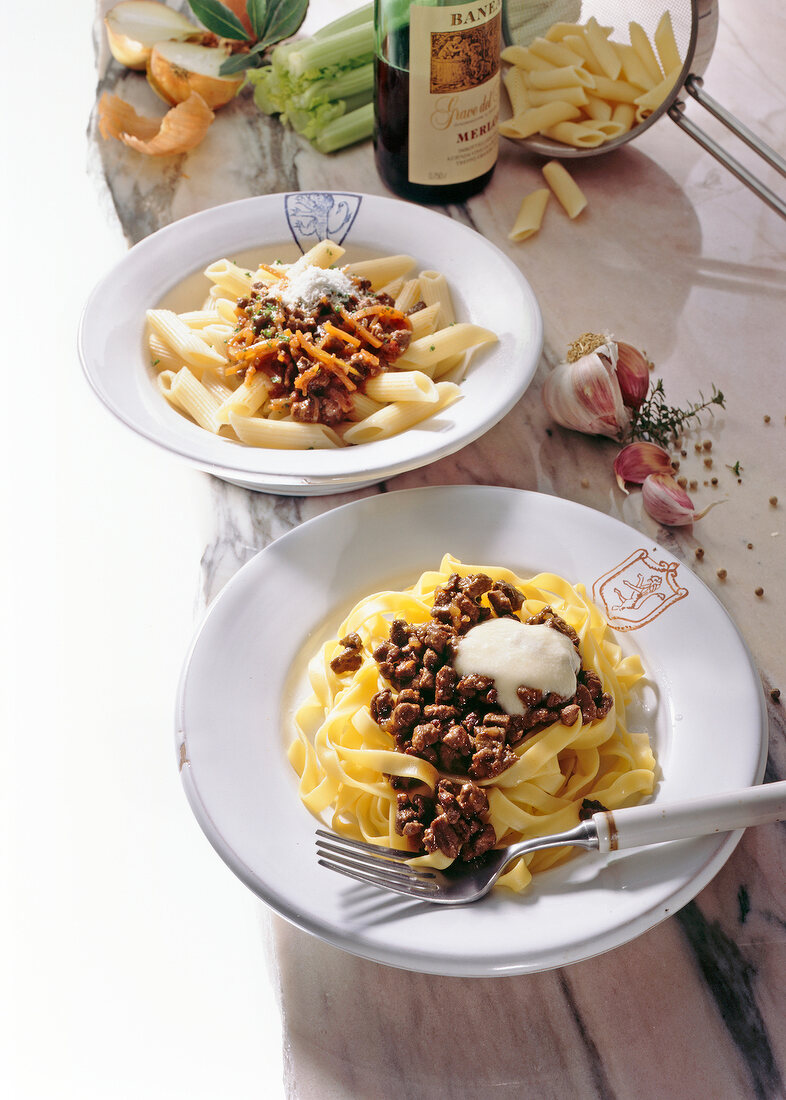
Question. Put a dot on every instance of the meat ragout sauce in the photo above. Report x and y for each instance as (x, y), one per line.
(316, 356)
(455, 722)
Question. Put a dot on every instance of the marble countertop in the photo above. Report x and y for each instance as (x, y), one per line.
(135, 963)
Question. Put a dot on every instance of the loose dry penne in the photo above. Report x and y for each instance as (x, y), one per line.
(599, 109)
(554, 52)
(578, 134)
(566, 76)
(516, 87)
(537, 119)
(649, 101)
(666, 45)
(524, 59)
(643, 47)
(576, 96)
(633, 69)
(530, 216)
(602, 49)
(585, 67)
(566, 190)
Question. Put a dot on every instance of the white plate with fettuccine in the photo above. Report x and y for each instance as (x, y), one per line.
(187, 342)
(693, 723)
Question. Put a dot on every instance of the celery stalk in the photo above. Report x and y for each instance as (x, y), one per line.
(323, 86)
(335, 50)
(352, 82)
(349, 128)
(353, 19)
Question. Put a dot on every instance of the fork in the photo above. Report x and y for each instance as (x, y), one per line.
(605, 831)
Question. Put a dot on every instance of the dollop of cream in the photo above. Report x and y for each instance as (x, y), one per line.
(517, 655)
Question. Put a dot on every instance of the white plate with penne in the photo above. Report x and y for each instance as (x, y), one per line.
(311, 342)
(246, 691)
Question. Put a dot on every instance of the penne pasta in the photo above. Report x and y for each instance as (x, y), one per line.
(177, 336)
(307, 355)
(401, 386)
(584, 67)
(566, 190)
(530, 216)
(382, 270)
(425, 353)
(536, 120)
(397, 417)
(666, 45)
(287, 434)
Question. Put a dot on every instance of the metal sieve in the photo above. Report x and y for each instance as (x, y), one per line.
(695, 24)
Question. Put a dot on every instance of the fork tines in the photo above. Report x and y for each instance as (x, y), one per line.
(385, 867)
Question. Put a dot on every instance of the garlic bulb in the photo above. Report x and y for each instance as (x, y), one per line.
(596, 385)
(585, 395)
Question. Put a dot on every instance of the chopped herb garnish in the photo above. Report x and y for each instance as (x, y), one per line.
(736, 469)
(156, 362)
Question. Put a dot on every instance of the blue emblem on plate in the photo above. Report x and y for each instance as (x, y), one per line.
(315, 215)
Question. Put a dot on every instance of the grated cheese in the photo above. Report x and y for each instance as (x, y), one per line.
(306, 286)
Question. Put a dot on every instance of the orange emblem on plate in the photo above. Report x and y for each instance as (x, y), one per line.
(637, 590)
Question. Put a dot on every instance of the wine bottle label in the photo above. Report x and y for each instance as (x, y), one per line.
(453, 91)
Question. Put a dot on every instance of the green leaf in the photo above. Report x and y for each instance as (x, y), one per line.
(257, 13)
(283, 19)
(238, 62)
(219, 19)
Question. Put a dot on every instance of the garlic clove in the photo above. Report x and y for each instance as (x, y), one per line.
(633, 375)
(667, 502)
(584, 395)
(178, 131)
(636, 461)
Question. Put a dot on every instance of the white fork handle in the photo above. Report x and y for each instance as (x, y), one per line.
(719, 813)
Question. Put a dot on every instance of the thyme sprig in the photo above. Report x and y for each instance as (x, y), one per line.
(655, 421)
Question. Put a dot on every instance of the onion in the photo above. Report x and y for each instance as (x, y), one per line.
(176, 69)
(134, 26)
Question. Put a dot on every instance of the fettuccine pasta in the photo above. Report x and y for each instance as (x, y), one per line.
(362, 773)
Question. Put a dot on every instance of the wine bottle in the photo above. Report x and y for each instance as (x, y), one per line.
(436, 97)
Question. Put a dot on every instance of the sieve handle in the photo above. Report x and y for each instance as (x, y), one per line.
(693, 85)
